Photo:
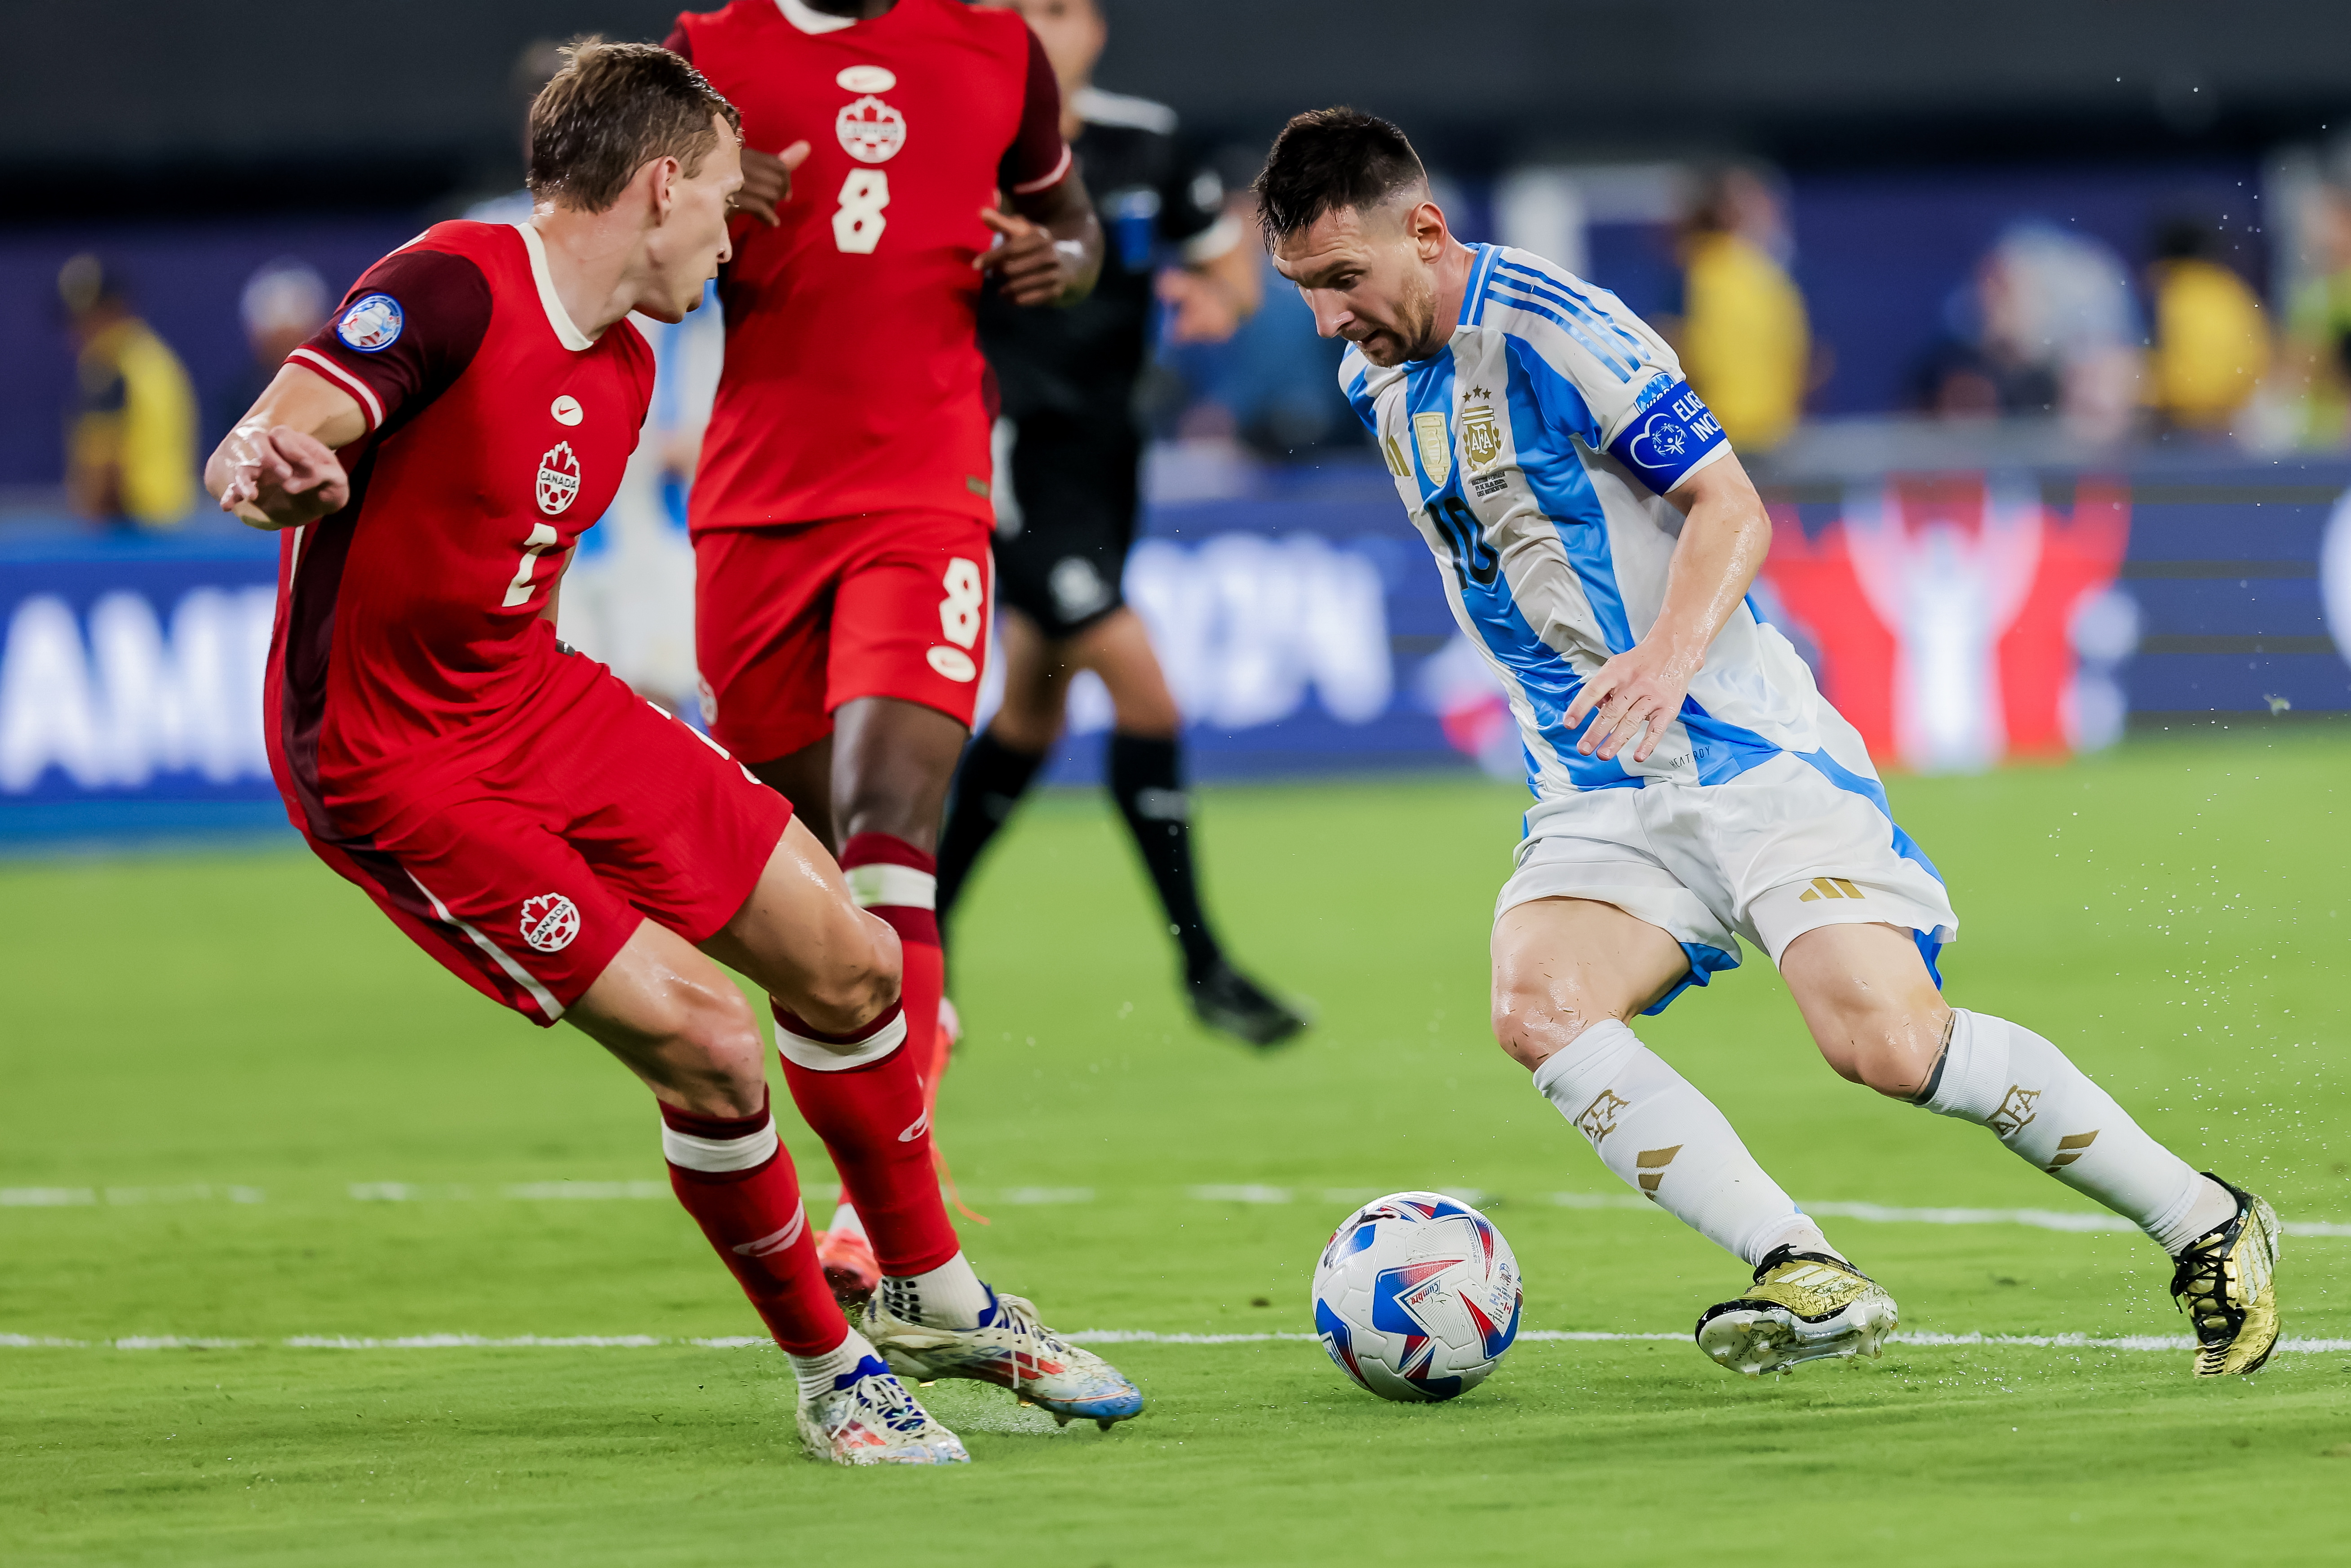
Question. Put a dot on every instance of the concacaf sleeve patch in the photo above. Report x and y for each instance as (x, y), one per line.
(371, 325)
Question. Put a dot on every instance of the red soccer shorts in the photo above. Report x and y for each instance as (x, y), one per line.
(526, 883)
(792, 621)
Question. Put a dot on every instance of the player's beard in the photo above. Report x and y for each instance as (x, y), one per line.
(1412, 335)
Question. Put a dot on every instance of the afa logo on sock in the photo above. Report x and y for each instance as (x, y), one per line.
(549, 922)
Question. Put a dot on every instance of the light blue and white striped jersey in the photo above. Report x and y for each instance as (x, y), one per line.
(1532, 453)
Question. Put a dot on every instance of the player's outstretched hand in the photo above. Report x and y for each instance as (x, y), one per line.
(1643, 686)
(281, 478)
(768, 180)
(1031, 268)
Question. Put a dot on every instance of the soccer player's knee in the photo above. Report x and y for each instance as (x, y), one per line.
(718, 1048)
(1030, 721)
(861, 981)
(1532, 1023)
(1885, 1047)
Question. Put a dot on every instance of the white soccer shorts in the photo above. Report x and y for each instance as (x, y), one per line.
(1784, 848)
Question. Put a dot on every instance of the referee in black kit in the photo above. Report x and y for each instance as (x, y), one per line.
(1068, 439)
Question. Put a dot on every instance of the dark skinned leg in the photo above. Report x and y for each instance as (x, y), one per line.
(891, 763)
(805, 779)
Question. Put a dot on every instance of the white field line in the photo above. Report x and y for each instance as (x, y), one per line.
(1242, 1192)
(1083, 1336)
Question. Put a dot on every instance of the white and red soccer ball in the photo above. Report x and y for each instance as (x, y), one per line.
(1417, 1296)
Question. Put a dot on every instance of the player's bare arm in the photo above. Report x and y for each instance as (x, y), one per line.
(1725, 536)
(1052, 250)
(277, 469)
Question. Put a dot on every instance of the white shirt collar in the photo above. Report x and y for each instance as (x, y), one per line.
(808, 19)
(566, 330)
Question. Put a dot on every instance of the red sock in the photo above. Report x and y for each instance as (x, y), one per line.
(737, 1182)
(899, 883)
(874, 1123)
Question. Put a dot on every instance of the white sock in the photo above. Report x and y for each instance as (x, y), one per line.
(949, 1297)
(844, 1219)
(818, 1372)
(2003, 1076)
(1667, 1140)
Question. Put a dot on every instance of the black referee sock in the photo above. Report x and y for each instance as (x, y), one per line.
(987, 785)
(1146, 776)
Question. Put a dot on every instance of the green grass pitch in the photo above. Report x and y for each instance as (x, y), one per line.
(203, 1055)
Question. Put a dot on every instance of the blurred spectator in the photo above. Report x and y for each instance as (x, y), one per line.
(1274, 383)
(1743, 337)
(2049, 327)
(130, 440)
(283, 304)
(2319, 322)
(2212, 346)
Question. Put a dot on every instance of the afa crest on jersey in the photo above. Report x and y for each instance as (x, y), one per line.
(1481, 434)
(558, 479)
(871, 131)
(371, 325)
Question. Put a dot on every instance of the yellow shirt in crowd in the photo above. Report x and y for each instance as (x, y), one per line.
(132, 448)
(1746, 344)
(2211, 347)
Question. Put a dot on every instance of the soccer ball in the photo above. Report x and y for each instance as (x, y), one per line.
(1417, 1296)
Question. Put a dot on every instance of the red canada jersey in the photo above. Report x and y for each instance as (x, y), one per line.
(853, 380)
(409, 646)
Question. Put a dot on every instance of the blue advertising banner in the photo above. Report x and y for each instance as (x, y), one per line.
(1958, 618)
(130, 682)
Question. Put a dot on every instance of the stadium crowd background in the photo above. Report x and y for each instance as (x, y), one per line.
(2035, 322)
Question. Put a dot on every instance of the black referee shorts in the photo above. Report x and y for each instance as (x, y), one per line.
(1060, 560)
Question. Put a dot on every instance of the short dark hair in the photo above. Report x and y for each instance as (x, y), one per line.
(1328, 160)
(611, 109)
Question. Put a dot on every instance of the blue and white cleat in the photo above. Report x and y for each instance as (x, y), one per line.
(867, 1417)
(1011, 1350)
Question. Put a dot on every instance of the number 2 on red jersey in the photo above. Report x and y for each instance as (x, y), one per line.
(542, 535)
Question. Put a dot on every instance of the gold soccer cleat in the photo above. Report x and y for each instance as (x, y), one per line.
(2226, 1284)
(1803, 1306)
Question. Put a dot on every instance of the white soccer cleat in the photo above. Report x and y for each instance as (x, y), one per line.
(1011, 1350)
(1803, 1306)
(867, 1417)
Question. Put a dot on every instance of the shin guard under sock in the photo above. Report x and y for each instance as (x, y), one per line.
(894, 880)
(1666, 1140)
(1146, 778)
(733, 1176)
(2003, 1076)
(988, 784)
(875, 1125)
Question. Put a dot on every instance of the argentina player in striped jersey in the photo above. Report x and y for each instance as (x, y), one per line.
(1597, 537)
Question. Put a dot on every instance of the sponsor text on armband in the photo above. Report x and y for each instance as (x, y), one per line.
(1671, 431)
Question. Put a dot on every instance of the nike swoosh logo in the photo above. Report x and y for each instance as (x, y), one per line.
(921, 1125)
(775, 1241)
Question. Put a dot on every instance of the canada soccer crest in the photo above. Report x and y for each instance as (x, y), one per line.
(558, 478)
(871, 131)
(549, 922)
